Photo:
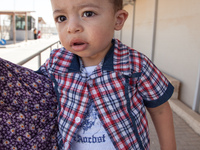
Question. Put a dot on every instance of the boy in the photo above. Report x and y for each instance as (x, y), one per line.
(102, 85)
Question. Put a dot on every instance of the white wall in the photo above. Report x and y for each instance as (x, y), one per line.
(144, 19)
(127, 29)
(178, 43)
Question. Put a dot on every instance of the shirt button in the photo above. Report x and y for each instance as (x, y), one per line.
(77, 119)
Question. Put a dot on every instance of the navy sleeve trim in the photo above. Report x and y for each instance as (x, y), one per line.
(56, 91)
(165, 97)
(39, 72)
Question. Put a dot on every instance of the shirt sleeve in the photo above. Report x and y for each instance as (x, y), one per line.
(43, 70)
(153, 86)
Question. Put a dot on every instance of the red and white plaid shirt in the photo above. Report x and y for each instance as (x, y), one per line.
(120, 87)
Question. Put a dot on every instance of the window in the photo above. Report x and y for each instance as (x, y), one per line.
(20, 22)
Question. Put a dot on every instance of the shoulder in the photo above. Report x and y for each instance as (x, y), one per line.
(60, 53)
(134, 58)
(60, 59)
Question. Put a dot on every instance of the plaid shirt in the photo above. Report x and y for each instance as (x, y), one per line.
(120, 87)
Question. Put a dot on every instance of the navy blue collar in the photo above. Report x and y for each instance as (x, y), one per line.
(107, 64)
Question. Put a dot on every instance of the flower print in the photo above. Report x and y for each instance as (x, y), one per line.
(16, 70)
(55, 147)
(43, 138)
(39, 81)
(34, 117)
(17, 93)
(10, 85)
(6, 142)
(37, 106)
(22, 126)
(19, 84)
(9, 113)
(52, 127)
(28, 93)
(47, 85)
(47, 94)
(12, 130)
(43, 101)
(9, 108)
(14, 148)
(27, 73)
(21, 116)
(10, 74)
(34, 147)
(16, 88)
(26, 84)
(19, 139)
(7, 65)
(36, 92)
(34, 85)
(15, 102)
(51, 115)
(53, 137)
(25, 108)
(2, 102)
(28, 135)
(4, 93)
(9, 122)
(2, 78)
(43, 120)
(32, 127)
(19, 78)
(55, 100)
(26, 101)
(39, 130)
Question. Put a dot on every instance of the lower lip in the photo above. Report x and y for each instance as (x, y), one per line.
(79, 48)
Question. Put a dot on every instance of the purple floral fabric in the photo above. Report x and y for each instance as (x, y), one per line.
(28, 106)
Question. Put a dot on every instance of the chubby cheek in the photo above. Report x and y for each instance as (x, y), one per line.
(63, 38)
(102, 33)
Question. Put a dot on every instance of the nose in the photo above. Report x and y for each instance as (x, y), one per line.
(74, 25)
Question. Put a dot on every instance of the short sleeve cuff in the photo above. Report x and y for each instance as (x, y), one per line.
(165, 97)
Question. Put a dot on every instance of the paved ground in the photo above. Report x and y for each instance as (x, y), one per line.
(186, 138)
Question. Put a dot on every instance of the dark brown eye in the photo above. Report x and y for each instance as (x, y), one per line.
(61, 19)
(88, 14)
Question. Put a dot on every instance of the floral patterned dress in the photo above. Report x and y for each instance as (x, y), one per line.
(28, 108)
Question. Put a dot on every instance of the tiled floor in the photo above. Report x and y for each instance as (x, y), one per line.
(186, 138)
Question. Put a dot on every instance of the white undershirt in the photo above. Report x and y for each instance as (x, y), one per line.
(90, 69)
(92, 135)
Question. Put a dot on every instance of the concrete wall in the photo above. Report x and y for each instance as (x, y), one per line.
(177, 39)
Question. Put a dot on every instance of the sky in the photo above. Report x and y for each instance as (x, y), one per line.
(42, 7)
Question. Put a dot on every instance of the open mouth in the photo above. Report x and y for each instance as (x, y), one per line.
(77, 44)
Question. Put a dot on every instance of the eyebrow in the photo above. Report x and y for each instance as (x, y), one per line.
(79, 7)
(57, 11)
(88, 5)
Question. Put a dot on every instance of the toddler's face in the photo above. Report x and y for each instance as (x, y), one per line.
(85, 27)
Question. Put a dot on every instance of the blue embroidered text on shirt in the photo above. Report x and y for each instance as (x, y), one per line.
(93, 139)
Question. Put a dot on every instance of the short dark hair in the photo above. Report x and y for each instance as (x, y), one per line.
(118, 4)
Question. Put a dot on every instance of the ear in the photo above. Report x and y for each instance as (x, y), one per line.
(120, 18)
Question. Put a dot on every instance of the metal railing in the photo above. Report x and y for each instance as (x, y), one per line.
(38, 54)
